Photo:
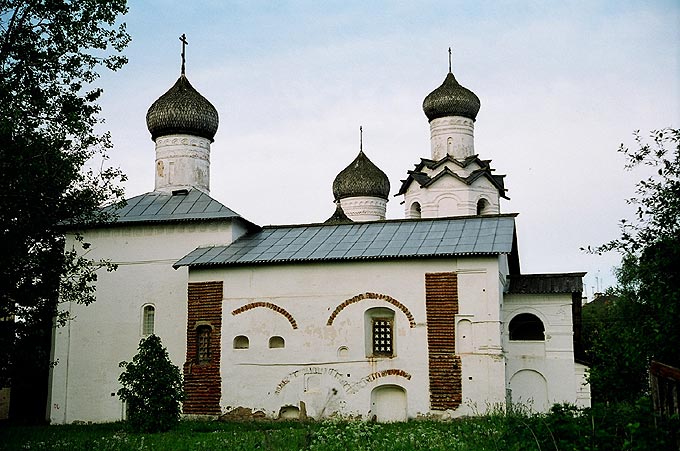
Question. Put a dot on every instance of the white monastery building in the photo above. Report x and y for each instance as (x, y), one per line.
(357, 316)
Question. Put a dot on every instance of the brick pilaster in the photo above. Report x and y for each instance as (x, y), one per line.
(441, 305)
(202, 381)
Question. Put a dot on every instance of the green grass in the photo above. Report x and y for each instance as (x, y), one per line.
(620, 427)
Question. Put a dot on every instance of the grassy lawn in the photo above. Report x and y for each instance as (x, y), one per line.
(601, 428)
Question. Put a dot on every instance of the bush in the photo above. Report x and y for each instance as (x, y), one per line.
(152, 388)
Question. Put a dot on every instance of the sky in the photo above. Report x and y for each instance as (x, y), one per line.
(562, 84)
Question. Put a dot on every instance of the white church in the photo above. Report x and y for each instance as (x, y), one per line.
(356, 316)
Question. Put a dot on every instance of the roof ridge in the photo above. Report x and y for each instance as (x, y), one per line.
(391, 221)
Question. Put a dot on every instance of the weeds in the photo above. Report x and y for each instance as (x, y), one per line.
(629, 427)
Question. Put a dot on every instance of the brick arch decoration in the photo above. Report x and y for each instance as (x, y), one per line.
(364, 381)
(270, 306)
(382, 297)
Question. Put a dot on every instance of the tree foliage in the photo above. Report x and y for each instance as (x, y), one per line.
(640, 323)
(152, 388)
(50, 55)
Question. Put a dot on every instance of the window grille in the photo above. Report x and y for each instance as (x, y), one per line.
(148, 320)
(203, 348)
(382, 336)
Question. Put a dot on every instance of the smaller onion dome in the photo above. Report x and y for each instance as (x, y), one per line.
(182, 110)
(451, 99)
(361, 178)
(338, 217)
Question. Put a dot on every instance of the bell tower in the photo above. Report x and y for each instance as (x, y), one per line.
(454, 181)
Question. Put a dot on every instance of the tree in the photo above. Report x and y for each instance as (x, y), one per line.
(50, 54)
(152, 388)
(641, 322)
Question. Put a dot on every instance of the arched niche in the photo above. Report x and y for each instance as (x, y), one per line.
(388, 404)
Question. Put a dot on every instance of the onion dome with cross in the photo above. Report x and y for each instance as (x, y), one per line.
(451, 99)
(182, 110)
(361, 190)
(361, 178)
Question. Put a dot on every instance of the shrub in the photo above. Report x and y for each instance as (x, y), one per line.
(152, 388)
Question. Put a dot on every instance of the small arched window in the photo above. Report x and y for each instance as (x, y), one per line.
(415, 212)
(203, 344)
(241, 342)
(277, 342)
(148, 319)
(526, 326)
(482, 207)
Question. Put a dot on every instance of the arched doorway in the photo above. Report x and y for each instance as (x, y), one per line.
(530, 389)
(388, 403)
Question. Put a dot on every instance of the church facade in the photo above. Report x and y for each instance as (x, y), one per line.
(356, 317)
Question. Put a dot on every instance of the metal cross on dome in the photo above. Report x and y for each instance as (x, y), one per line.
(449, 59)
(183, 38)
(361, 139)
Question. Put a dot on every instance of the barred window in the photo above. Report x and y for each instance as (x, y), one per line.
(382, 336)
(379, 326)
(148, 318)
(203, 344)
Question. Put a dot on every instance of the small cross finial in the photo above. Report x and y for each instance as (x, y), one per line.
(361, 139)
(449, 59)
(183, 38)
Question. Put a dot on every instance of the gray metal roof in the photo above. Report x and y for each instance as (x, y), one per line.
(421, 238)
(185, 205)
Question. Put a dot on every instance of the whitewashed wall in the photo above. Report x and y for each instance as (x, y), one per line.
(182, 161)
(451, 197)
(542, 373)
(326, 366)
(89, 348)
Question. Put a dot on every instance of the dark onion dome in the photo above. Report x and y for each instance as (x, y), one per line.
(361, 178)
(451, 99)
(338, 217)
(182, 110)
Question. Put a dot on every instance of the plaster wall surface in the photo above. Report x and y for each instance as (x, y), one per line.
(452, 135)
(182, 161)
(90, 346)
(548, 363)
(364, 208)
(449, 196)
(327, 366)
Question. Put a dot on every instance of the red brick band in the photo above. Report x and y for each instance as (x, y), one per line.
(382, 297)
(270, 306)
